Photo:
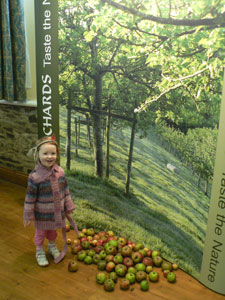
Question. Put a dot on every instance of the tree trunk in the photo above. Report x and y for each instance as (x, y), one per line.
(89, 132)
(199, 180)
(76, 137)
(130, 157)
(107, 141)
(206, 187)
(98, 155)
(68, 137)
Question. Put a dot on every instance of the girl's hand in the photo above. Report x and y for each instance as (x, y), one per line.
(26, 223)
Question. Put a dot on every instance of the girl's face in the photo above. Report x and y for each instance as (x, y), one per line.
(47, 155)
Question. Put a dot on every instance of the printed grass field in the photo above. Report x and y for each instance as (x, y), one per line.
(165, 210)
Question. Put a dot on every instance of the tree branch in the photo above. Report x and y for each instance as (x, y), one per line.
(218, 20)
(148, 101)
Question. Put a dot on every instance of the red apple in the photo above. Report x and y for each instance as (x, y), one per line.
(75, 249)
(165, 273)
(109, 258)
(83, 239)
(126, 251)
(98, 248)
(72, 266)
(102, 233)
(124, 284)
(110, 266)
(96, 237)
(137, 257)
(149, 253)
(148, 261)
(141, 275)
(128, 262)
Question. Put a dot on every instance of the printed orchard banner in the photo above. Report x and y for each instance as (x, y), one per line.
(46, 30)
(46, 27)
(213, 268)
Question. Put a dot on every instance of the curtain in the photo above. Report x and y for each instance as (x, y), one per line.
(12, 51)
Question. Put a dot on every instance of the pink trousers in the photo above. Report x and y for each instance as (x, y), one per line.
(40, 235)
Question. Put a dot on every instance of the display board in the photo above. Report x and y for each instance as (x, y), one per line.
(46, 32)
(213, 271)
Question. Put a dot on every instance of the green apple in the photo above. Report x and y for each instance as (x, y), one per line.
(81, 255)
(144, 285)
(113, 276)
(103, 254)
(155, 253)
(113, 243)
(157, 260)
(85, 245)
(101, 265)
(132, 270)
(153, 276)
(118, 259)
(90, 231)
(109, 285)
(91, 252)
(121, 270)
(100, 277)
(140, 267)
(148, 269)
(143, 252)
(171, 277)
(138, 246)
(96, 258)
(88, 260)
(166, 265)
(131, 277)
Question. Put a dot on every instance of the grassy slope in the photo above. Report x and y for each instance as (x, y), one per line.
(166, 211)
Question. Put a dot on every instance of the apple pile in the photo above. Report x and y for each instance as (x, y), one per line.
(117, 257)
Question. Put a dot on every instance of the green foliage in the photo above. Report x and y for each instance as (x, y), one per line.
(197, 147)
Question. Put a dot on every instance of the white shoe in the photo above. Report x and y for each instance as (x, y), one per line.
(41, 258)
(53, 250)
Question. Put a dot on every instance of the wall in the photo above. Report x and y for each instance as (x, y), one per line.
(18, 133)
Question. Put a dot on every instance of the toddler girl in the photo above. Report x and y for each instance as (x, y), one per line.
(47, 200)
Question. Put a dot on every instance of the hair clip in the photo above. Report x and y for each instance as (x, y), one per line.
(53, 137)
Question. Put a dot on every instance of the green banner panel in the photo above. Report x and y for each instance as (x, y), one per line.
(213, 263)
(46, 31)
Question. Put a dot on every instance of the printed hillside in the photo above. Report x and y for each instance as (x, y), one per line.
(166, 210)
